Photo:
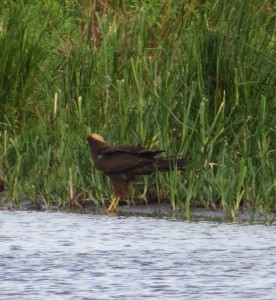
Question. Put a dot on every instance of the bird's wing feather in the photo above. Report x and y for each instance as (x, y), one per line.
(147, 153)
(120, 162)
(133, 149)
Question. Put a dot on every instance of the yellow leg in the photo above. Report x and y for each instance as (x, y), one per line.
(114, 203)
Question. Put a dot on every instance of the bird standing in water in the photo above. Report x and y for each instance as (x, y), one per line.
(121, 163)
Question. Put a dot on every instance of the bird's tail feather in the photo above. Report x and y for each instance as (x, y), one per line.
(169, 163)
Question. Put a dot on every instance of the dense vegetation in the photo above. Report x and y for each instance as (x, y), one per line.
(196, 78)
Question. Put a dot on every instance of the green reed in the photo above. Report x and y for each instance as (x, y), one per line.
(196, 80)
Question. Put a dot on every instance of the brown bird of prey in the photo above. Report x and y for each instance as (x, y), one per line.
(121, 163)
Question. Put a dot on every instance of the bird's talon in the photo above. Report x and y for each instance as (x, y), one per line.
(113, 205)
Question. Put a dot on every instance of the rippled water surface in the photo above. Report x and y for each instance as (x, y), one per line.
(47, 255)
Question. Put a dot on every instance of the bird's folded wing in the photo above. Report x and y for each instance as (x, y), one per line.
(115, 162)
(131, 149)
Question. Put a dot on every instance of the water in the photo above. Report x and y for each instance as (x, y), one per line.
(46, 255)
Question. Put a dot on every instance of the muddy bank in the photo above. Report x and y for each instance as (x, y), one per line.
(197, 214)
(159, 210)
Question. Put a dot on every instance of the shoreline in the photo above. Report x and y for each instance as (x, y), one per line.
(158, 210)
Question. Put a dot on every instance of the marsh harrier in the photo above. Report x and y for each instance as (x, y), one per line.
(121, 163)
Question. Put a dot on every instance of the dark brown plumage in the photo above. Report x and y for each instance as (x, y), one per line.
(122, 163)
(2, 185)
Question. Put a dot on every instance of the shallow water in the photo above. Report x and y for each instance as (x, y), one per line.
(47, 255)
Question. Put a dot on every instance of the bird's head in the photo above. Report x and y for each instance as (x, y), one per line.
(96, 144)
(97, 137)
